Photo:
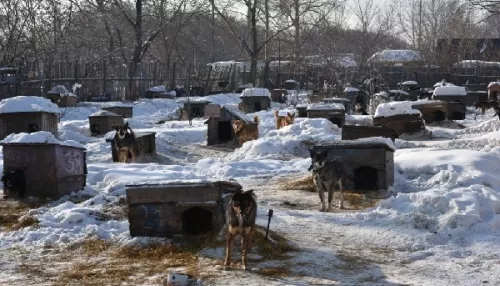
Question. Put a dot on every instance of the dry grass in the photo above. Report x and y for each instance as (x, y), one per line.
(359, 201)
(276, 249)
(12, 210)
(25, 221)
(302, 184)
(274, 271)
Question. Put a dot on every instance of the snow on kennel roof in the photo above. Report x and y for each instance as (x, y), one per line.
(395, 56)
(475, 63)
(193, 99)
(103, 112)
(370, 142)
(410, 82)
(395, 108)
(441, 83)
(326, 106)
(61, 90)
(350, 89)
(116, 104)
(158, 88)
(493, 83)
(256, 92)
(27, 104)
(38, 137)
(234, 110)
(450, 90)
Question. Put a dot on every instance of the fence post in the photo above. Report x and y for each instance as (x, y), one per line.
(172, 82)
(104, 75)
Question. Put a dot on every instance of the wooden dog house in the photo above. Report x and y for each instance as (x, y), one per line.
(28, 114)
(50, 170)
(399, 116)
(432, 110)
(455, 98)
(255, 99)
(344, 101)
(123, 110)
(220, 129)
(196, 104)
(302, 109)
(146, 144)
(165, 210)
(335, 112)
(493, 91)
(62, 97)
(352, 132)
(369, 164)
(160, 92)
(103, 121)
(279, 95)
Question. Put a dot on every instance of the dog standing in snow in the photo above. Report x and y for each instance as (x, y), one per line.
(246, 131)
(326, 175)
(125, 144)
(282, 121)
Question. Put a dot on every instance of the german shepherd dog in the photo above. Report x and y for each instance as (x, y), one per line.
(240, 216)
(282, 121)
(359, 110)
(326, 174)
(14, 183)
(483, 105)
(125, 144)
(246, 131)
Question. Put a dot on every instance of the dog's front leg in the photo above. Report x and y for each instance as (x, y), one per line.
(229, 247)
(341, 190)
(244, 251)
(330, 198)
(322, 198)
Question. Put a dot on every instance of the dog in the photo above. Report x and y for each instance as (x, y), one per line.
(497, 112)
(125, 144)
(246, 131)
(326, 175)
(14, 183)
(282, 121)
(240, 216)
(359, 110)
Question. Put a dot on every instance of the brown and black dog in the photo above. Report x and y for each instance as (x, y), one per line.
(246, 131)
(282, 121)
(125, 144)
(240, 216)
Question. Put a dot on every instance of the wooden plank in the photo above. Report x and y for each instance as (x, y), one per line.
(212, 110)
(162, 194)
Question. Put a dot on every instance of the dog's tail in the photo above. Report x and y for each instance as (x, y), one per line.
(276, 113)
(256, 119)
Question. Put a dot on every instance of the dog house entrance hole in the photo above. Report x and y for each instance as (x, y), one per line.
(33, 127)
(197, 220)
(457, 115)
(365, 178)
(258, 106)
(224, 132)
(195, 112)
(439, 115)
(95, 129)
(336, 120)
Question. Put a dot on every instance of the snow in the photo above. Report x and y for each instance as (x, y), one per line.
(399, 56)
(62, 91)
(254, 91)
(326, 106)
(116, 104)
(351, 89)
(475, 64)
(450, 90)
(38, 137)
(359, 120)
(159, 88)
(438, 84)
(233, 109)
(291, 81)
(104, 113)
(398, 91)
(27, 104)
(395, 108)
(493, 83)
(410, 82)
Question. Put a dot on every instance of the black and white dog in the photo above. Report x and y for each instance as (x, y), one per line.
(326, 175)
(14, 184)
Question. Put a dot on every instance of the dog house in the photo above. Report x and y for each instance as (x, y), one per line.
(255, 99)
(432, 110)
(352, 132)
(279, 95)
(62, 97)
(220, 130)
(121, 109)
(49, 169)
(455, 98)
(302, 109)
(493, 91)
(291, 84)
(412, 89)
(27, 114)
(146, 144)
(103, 121)
(197, 105)
(369, 164)
(335, 112)
(160, 92)
(182, 208)
(357, 96)
(344, 101)
(399, 116)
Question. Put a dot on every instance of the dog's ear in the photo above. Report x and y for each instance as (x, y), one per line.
(126, 125)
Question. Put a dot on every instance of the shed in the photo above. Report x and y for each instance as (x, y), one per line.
(146, 144)
(197, 105)
(369, 163)
(455, 98)
(400, 116)
(493, 91)
(180, 208)
(352, 132)
(119, 108)
(103, 121)
(279, 95)
(432, 110)
(219, 126)
(52, 169)
(255, 99)
(28, 114)
(335, 112)
(62, 97)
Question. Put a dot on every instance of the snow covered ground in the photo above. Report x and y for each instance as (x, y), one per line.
(438, 225)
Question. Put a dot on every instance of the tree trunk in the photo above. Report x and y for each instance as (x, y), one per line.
(255, 53)
(296, 25)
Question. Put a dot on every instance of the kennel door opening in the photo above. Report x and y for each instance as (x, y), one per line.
(439, 115)
(365, 178)
(337, 121)
(457, 116)
(258, 106)
(197, 220)
(224, 131)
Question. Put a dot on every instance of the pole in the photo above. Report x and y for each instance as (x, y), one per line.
(270, 215)
(279, 59)
(213, 30)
